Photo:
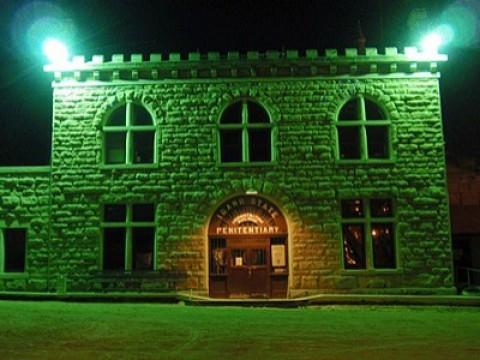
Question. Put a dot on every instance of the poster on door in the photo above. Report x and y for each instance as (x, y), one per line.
(278, 256)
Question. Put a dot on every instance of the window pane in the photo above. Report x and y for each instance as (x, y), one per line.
(381, 208)
(258, 257)
(257, 114)
(118, 117)
(143, 146)
(260, 144)
(143, 212)
(383, 246)
(114, 249)
(15, 249)
(350, 110)
(114, 213)
(377, 139)
(238, 258)
(349, 142)
(140, 115)
(218, 256)
(232, 114)
(373, 111)
(115, 147)
(353, 246)
(352, 208)
(142, 248)
(231, 145)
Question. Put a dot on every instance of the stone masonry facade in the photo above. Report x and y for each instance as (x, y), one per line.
(61, 204)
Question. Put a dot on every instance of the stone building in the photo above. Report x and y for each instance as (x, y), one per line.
(273, 174)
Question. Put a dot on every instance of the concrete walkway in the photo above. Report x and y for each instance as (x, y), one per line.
(193, 299)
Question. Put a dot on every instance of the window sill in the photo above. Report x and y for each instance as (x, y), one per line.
(129, 274)
(247, 164)
(128, 166)
(13, 275)
(371, 271)
(365, 162)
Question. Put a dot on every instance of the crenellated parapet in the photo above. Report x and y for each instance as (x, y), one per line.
(272, 63)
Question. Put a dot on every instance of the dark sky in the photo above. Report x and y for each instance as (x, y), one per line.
(135, 26)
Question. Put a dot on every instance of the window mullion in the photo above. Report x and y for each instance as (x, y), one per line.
(361, 112)
(245, 142)
(129, 135)
(273, 154)
(363, 142)
(128, 239)
(368, 236)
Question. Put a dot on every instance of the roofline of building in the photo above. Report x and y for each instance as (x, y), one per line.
(289, 63)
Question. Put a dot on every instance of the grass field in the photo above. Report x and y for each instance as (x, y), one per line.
(58, 330)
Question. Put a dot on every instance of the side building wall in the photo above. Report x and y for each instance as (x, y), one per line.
(306, 181)
(25, 204)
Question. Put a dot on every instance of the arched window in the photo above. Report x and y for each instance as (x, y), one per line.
(129, 136)
(245, 133)
(363, 131)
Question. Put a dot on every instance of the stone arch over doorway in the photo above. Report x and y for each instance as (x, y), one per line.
(248, 249)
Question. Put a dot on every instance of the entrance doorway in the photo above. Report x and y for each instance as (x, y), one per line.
(248, 250)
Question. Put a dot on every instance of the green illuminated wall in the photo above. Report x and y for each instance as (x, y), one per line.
(187, 183)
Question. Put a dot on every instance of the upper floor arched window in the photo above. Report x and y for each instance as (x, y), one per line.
(363, 131)
(129, 136)
(245, 133)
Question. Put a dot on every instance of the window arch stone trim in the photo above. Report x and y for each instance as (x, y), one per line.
(246, 128)
(386, 106)
(100, 121)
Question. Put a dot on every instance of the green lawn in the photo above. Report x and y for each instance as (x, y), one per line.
(56, 330)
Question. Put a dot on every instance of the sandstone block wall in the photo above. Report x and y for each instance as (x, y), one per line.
(62, 206)
(25, 203)
(187, 183)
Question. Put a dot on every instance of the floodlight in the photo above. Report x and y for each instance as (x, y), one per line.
(431, 43)
(55, 51)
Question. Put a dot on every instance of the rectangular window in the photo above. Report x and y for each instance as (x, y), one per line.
(115, 147)
(377, 142)
(142, 248)
(231, 145)
(143, 142)
(349, 142)
(114, 249)
(368, 224)
(128, 237)
(218, 256)
(14, 250)
(383, 246)
(354, 246)
(260, 145)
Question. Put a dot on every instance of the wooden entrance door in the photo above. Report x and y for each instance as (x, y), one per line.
(248, 249)
(248, 274)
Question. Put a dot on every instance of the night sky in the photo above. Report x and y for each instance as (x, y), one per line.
(134, 26)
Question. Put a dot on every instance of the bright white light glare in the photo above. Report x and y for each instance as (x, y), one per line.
(431, 43)
(55, 51)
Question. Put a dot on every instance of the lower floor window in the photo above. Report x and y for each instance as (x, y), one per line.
(368, 234)
(128, 237)
(14, 250)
